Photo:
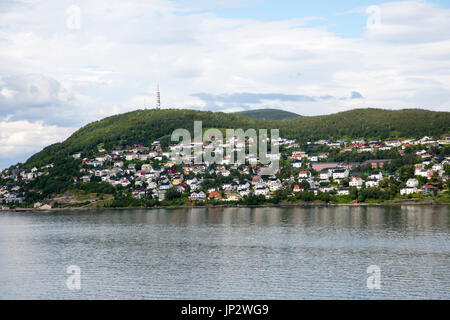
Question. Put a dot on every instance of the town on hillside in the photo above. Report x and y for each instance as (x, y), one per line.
(325, 171)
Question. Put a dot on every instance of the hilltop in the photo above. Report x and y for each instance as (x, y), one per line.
(268, 114)
(142, 126)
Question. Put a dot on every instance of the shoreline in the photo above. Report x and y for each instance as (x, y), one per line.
(281, 205)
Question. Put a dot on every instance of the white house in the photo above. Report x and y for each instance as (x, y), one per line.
(343, 192)
(275, 186)
(198, 195)
(325, 175)
(118, 164)
(408, 190)
(340, 173)
(372, 183)
(131, 156)
(326, 189)
(356, 182)
(297, 188)
(412, 183)
(261, 191)
(377, 175)
(303, 175)
(421, 173)
(297, 164)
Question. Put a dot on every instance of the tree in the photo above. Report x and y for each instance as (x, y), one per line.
(172, 194)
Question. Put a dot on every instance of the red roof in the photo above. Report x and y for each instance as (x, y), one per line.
(214, 194)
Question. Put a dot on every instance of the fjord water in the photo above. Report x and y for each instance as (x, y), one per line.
(227, 253)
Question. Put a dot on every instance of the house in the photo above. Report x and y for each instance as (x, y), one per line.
(365, 149)
(393, 143)
(215, 195)
(428, 189)
(375, 163)
(192, 181)
(372, 183)
(256, 180)
(423, 173)
(125, 183)
(197, 196)
(325, 175)
(118, 164)
(275, 186)
(427, 155)
(356, 182)
(139, 193)
(326, 189)
(408, 190)
(343, 192)
(182, 187)
(234, 197)
(101, 158)
(261, 190)
(439, 168)
(377, 175)
(412, 183)
(177, 180)
(297, 163)
(340, 173)
(161, 194)
(131, 156)
(228, 186)
(298, 155)
(243, 186)
(297, 188)
(304, 174)
(146, 168)
(245, 192)
(347, 149)
(324, 155)
(165, 185)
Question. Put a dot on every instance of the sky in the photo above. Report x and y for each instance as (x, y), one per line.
(64, 63)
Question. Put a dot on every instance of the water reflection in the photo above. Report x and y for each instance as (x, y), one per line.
(271, 252)
(359, 217)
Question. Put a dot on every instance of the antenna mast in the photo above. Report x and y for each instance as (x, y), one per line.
(158, 98)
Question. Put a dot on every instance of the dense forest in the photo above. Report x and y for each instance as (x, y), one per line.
(268, 114)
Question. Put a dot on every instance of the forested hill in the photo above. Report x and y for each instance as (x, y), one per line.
(143, 126)
(268, 114)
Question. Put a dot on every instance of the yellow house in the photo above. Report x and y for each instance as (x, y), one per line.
(234, 197)
(177, 181)
(169, 164)
(186, 170)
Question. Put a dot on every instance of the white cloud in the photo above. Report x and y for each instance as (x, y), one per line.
(409, 22)
(67, 77)
(31, 90)
(20, 139)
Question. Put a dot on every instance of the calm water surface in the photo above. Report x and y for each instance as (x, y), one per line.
(239, 253)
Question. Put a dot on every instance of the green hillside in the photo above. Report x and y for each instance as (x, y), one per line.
(268, 114)
(143, 126)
